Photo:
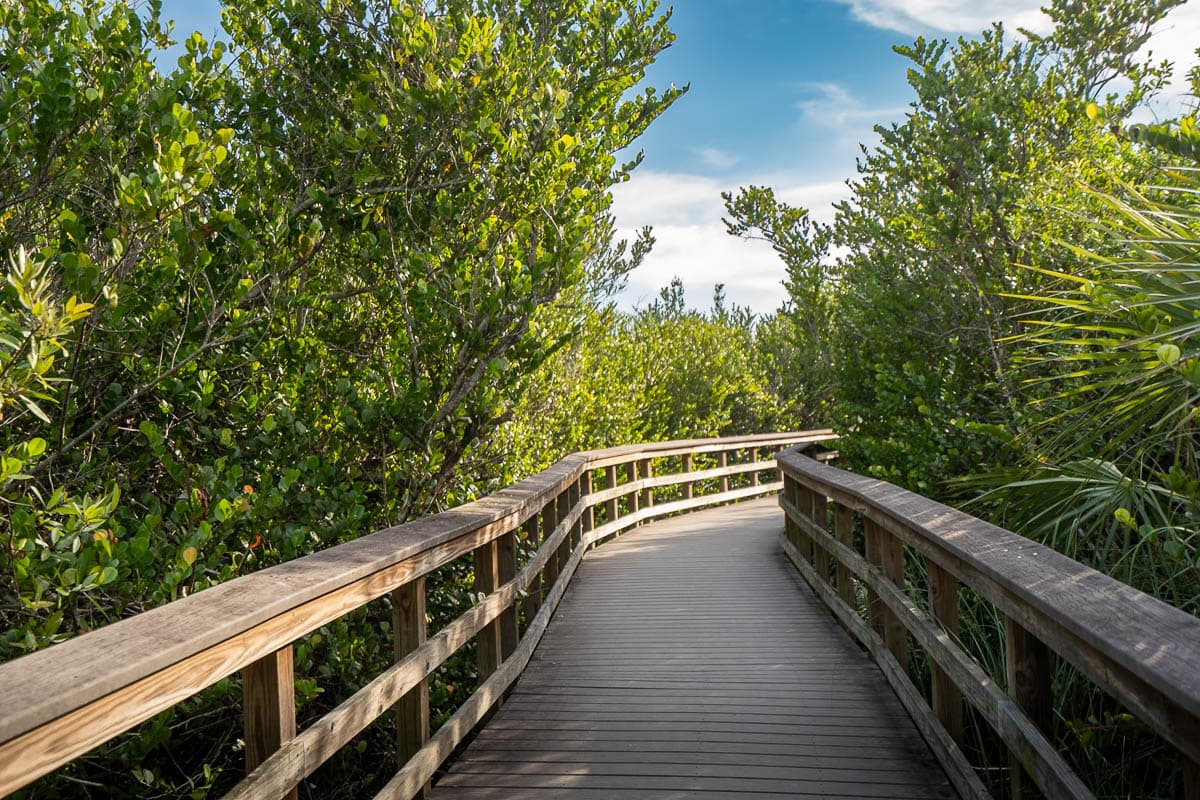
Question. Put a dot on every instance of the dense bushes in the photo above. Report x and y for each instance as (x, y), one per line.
(279, 295)
(1011, 319)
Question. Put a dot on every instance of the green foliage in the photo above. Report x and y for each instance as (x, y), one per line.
(794, 342)
(1069, 383)
(314, 260)
(661, 372)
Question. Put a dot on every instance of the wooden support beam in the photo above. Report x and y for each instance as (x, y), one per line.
(269, 707)
(533, 594)
(943, 602)
(550, 571)
(630, 477)
(1028, 667)
(723, 461)
(506, 570)
(574, 491)
(646, 471)
(408, 633)
(819, 510)
(754, 459)
(487, 578)
(894, 632)
(687, 466)
(610, 482)
(843, 523)
(587, 522)
(875, 606)
(565, 503)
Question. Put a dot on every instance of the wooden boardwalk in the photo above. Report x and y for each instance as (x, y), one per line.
(688, 660)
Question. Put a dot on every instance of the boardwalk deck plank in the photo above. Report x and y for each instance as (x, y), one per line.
(686, 660)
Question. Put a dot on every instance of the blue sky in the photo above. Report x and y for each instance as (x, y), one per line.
(782, 92)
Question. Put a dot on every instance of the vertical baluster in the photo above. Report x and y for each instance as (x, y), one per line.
(487, 574)
(533, 593)
(723, 461)
(589, 513)
(843, 523)
(804, 503)
(943, 602)
(269, 707)
(754, 459)
(646, 469)
(875, 556)
(688, 491)
(1191, 779)
(610, 482)
(564, 510)
(506, 570)
(550, 571)
(1027, 664)
(631, 477)
(819, 506)
(408, 633)
(894, 632)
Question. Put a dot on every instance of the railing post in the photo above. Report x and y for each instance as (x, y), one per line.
(408, 633)
(269, 707)
(843, 522)
(819, 507)
(564, 511)
(803, 501)
(894, 632)
(645, 472)
(631, 476)
(574, 492)
(550, 571)
(589, 513)
(723, 461)
(1028, 667)
(487, 575)
(754, 460)
(874, 536)
(506, 570)
(686, 464)
(533, 593)
(943, 602)
(610, 482)
(790, 528)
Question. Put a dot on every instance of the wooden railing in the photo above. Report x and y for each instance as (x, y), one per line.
(526, 540)
(856, 539)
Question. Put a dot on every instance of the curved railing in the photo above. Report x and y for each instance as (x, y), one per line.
(63, 701)
(855, 538)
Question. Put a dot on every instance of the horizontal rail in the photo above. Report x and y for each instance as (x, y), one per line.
(1142, 651)
(61, 702)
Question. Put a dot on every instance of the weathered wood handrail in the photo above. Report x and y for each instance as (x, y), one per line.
(1143, 652)
(63, 701)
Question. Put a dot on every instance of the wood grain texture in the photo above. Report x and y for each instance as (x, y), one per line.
(734, 680)
(1145, 656)
(943, 603)
(269, 709)
(998, 710)
(409, 632)
(65, 700)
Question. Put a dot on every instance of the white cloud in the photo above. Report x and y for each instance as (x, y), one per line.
(691, 243)
(716, 158)
(1175, 38)
(832, 105)
(949, 16)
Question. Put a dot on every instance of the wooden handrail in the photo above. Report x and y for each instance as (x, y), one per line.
(1142, 651)
(63, 701)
